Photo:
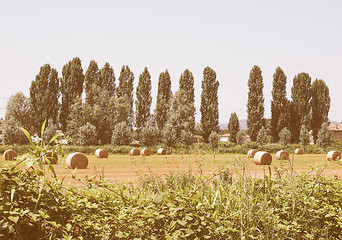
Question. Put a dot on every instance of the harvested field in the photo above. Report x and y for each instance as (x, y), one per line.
(117, 168)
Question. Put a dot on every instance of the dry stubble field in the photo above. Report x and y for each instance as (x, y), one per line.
(117, 168)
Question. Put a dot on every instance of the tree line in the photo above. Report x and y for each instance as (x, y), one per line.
(93, 107)
(291, 119)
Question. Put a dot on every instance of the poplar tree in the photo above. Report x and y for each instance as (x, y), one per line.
(103, 110)
(143, 100)
(44, 93)
(182, 116)
(255, 104)
(125, 98)
(91, 79)
(300, 93)
(233, 127)
(209, 103)
(320, 105)
(71, 87)
(278, 104)
(163, 99)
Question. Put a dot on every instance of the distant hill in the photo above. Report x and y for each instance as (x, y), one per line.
(243, 125)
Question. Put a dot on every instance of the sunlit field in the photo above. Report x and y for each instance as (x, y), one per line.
(117, 168)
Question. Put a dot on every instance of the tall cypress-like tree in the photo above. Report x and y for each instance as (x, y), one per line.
(278, 104)
(209, 103)
(143, 100)
(233, 127)
(91, 78)
(71, 87)
(125, 98)
(183, 105)
(320, 105)
(300, 93)
(255, 104)
(103, 111)
(44, 93)
(163, 99)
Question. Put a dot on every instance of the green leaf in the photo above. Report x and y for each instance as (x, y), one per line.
(43, 128)
(14, 218)
(54, 137)
(27, 134)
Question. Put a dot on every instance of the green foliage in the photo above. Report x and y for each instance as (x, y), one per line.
(87, 135)
(122, 134)
(278, 104)
(11, 132)
(76, 119)
(183, 105)
(71, 87)
(124, 95)
(284, 136)
(255, 104)
(180, 205)
(320, 105)
(44, 89)
(209, 103)
(241, 137)
(91, 79)
(304, 136)
(233, 127)
(186, 138)
(143, 100)
(164, 98)
(324, 136)
(262, 137)
(214, 139)
(169, 136)
(182, 116)
(149, 134)
(300, 93)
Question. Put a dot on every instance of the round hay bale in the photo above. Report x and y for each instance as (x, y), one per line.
(101, 153)
(262, 158)
(333, 155)
(145, 152)
(161, 151)
(52, 156)
(134, 152)
(282, 155)
(299, 151)
(251, 153)
(76, 160)
(10, 155)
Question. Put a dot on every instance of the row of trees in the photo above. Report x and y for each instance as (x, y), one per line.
(92, 108)
(291, 120)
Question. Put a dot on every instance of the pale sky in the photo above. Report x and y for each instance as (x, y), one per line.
(228, 36)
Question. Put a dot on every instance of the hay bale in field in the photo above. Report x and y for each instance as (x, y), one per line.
(282, 155)
(76, 160)
(251, 153)
(299, 151)
(52, 156)
(262, 158)
(101, 153)
(333, 155)
(161, 151)
(134, 152)
(145, 152)
(10, 155)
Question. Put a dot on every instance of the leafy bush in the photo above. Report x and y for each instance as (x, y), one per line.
(122, 134)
